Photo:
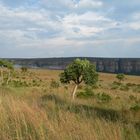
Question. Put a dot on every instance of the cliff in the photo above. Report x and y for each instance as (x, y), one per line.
(109, 65)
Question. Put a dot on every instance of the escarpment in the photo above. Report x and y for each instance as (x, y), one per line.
(109, 65)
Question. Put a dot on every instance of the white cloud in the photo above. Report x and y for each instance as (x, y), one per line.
(89, 4)
(21, 14)
(29, 22)
(135, 25)
(134, 22)
(33, 24)
(86, 25)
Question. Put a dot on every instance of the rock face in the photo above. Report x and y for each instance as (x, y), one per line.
(110, 65)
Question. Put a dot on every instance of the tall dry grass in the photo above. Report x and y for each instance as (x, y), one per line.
(22, 121)
(19, 121)
(46, 113)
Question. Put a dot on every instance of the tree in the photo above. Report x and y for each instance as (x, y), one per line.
(1, 70)
(77, 72)
(120, 77)
(9, 66)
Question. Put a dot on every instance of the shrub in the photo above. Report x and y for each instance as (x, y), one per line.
(54, 84)
(24, 69)
(19, 83)
(66, 87)
(137, 88)
(135, 107)
(115, 85)
(124, 88)
(120, 77)
(95, 86)
(35, 83)
(103, 97)
(131, 84)
(131, 97)
(87, 93)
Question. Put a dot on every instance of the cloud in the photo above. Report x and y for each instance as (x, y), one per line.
(135, 22)
(28, 21)
(86, 25)
(19, 3)
(58, 5)
(135, 25)
(35, 28)
(89, 4)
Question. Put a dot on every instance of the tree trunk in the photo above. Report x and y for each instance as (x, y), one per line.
(8, 79)
(1, 75)
(74, 91)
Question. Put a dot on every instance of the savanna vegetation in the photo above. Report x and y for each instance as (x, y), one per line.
(36, 104)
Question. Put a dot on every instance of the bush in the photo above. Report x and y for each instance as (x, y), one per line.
(66, 87)
(137, 88)
(131, 84)
(120, 77)
(35, 83)
(87, 93)
(54, 84)
(124, 88)
(115, 85)
(95, 86)
(103, 97)
(24, 69)
(135, 107)
(19, 83)
(131, 97)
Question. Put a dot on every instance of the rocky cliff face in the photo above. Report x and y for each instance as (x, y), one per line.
(110, 65)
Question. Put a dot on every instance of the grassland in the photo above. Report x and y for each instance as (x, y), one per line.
(36, 106)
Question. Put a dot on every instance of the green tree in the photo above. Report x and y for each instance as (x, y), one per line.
(77, 72)
(9, 66)
(120, 77)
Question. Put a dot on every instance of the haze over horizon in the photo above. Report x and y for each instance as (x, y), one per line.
(67, 28)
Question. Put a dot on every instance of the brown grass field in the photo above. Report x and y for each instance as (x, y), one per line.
(36, 106)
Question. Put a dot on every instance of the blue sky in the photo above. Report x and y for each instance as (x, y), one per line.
(64, 28)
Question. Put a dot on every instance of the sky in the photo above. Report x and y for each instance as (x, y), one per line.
(67, 28)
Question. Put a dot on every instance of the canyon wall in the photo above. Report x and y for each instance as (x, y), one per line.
(109, 65)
